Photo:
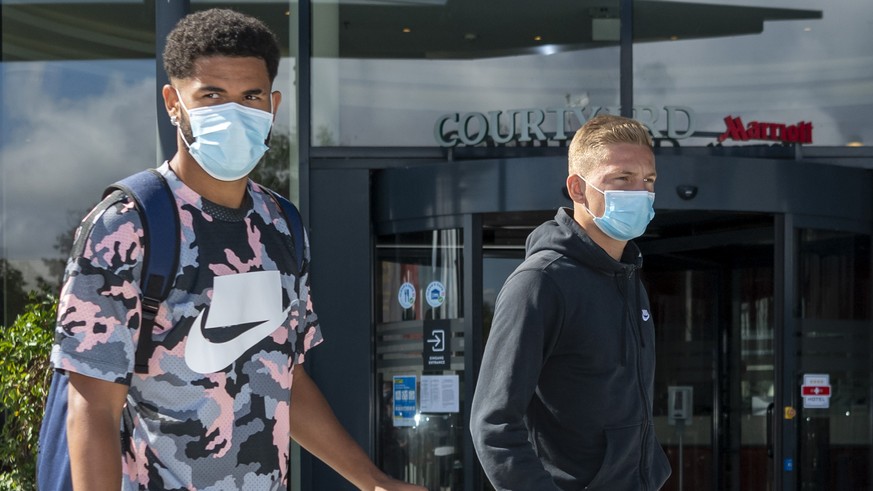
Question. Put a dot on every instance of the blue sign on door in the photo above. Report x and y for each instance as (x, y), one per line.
(404, 400)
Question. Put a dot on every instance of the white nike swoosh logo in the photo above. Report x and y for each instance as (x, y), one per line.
(204, 356)
(238, 300)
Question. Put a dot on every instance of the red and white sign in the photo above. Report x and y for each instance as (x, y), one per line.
(816, 390)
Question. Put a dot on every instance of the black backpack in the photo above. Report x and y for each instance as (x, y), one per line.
(157, 208)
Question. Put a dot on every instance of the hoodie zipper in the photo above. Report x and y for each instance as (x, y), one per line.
(638, 334)
(621, 284)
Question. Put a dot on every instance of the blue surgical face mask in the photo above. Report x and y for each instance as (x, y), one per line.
(626, 214)
(229, 139)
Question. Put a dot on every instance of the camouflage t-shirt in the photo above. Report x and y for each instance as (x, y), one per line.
(213, 411)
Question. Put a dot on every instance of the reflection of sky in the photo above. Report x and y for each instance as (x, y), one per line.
(69, 128)
(396, 102)
(818, 70)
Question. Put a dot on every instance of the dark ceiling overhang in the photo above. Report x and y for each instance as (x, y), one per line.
(454, 29)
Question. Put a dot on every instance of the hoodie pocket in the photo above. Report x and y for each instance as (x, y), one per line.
(621, 460)
(658, 465)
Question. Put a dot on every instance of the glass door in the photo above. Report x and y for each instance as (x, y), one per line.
(834, 360)
(710, 279)
(714, 327)
(420, 357)
(686, 304)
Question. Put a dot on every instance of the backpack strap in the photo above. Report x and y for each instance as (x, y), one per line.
(157, 206)
(295, 225)
(53, 454)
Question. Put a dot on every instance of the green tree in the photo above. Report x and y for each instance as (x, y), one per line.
(274, 170)
(13, 297)
(24, 380)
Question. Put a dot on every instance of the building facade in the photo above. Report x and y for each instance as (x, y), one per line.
(423, 141)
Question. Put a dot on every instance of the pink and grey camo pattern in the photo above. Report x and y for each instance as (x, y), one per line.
(226, 430)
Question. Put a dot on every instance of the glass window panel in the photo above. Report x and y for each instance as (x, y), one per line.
(384, 74)
(410, 266)
(777, 61)
(714, 322)
(686, 312)
(419, 280)
(835, 342)
(77, 83)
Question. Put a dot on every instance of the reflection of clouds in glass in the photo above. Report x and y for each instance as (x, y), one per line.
(59, 149)
(810, 69)
(815, 70)
(397, 102)
(70, 128)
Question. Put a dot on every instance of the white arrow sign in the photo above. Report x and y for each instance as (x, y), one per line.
(438, 340)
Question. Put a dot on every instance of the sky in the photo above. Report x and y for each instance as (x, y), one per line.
(68, 129)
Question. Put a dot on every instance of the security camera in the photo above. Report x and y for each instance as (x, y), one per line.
(686, 191)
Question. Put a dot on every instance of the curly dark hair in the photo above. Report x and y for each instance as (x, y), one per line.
(219, 32)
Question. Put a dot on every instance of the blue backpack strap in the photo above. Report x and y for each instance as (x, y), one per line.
(53, 457)
(295, 225)
(160, 220)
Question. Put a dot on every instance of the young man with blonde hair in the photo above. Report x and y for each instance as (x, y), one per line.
(565, 390)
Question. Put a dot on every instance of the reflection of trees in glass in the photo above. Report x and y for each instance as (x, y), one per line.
(274, 170)
(63, 244)
(12, 293)
(324, 136)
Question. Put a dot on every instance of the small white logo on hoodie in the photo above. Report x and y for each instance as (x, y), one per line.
(645, 315)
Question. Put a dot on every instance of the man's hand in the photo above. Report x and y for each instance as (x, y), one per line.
(389, 484)
(315, 428)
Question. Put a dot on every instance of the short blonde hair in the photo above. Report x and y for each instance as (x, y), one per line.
(588, 148)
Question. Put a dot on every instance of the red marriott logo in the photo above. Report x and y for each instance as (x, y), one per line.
(795, 133)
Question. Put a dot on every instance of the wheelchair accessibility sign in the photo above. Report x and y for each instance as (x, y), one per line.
(435, 294)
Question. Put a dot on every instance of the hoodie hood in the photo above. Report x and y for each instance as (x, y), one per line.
(565, 236)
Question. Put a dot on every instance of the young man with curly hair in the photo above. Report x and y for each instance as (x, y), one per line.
(216, 409)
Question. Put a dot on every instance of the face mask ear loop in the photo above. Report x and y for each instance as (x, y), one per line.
(272, 121)
(595, 188)
(179, 125)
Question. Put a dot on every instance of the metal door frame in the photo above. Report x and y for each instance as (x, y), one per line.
(788, 227)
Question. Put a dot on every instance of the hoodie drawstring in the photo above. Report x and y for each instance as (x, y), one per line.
(620, 282)
(639, 309)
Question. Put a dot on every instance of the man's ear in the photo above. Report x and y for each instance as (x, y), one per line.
(576, 189)
(171, 100)
(276, 97)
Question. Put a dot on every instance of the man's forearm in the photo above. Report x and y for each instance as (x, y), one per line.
(93, 425)
(315, 428)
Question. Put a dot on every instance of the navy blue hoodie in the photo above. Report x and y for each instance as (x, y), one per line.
(564, 396)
